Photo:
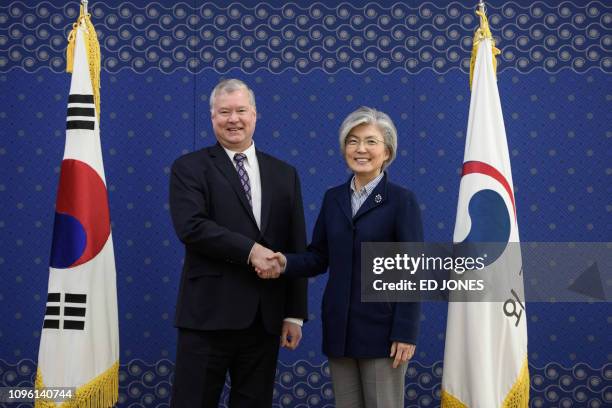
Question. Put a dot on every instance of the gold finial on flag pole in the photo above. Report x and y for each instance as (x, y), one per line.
(481, 33)
(92, 46)
(482, 8)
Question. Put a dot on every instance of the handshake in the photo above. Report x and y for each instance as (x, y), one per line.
(267, 264)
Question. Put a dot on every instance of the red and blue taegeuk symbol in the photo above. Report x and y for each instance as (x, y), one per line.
(489, 215)
(82, 218)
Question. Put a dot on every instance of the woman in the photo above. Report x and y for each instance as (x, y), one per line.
(368, 344)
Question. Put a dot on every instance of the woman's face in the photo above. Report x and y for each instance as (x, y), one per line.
(365, 151)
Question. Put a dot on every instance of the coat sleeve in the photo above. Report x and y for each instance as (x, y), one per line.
(296, 304)
(409, 228)
(315, 260)
(190, 217)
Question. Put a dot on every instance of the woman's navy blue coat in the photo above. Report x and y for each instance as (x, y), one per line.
(352, 328)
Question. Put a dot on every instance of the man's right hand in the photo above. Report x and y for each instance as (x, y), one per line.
(280, 260)
(264, 262)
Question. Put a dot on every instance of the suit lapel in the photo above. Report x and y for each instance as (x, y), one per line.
(343, 198)
(376, 198)
(225, 166)
(266, 175)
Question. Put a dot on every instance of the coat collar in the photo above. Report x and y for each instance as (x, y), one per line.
(266, 175)
(376, 198)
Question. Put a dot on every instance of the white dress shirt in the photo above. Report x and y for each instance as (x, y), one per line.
(251, 165)
(358, 197)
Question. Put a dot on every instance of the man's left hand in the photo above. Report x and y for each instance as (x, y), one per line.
(291, 335)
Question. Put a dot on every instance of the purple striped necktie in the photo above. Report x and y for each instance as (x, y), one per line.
(239, 158)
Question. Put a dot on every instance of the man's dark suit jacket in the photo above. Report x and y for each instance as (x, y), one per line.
(213, 219)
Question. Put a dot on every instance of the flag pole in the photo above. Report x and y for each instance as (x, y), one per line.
(92, 47)
(483, 9)
(481, 5)
(482, 32)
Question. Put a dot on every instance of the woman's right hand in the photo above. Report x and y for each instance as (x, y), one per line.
(281, 259)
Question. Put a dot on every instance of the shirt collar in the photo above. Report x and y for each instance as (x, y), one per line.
(250, 153)
(368, 188)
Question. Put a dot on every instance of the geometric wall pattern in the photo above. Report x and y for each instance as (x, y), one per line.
(358, 38)
(303, 385)
(557, 119)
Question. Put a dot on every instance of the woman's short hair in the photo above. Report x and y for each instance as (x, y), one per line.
(371, 116)
(229, 86)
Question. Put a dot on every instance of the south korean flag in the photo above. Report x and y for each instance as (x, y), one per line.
(79, 344)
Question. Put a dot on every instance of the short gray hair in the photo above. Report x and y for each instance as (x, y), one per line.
(371, 116)
(229, 86)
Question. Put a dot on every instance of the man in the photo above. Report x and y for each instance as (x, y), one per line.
(229, 204)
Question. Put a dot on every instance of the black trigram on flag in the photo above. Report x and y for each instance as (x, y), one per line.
(70, 311)
(81, 112)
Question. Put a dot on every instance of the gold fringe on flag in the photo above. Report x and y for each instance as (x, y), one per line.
(481, 33)
(101, 392)
(92, 47)
(449, 401)
(518, 396)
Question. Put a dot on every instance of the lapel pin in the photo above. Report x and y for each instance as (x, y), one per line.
(378, 198)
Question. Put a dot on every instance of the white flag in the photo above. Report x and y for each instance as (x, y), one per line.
(485, 356)
(79, 345)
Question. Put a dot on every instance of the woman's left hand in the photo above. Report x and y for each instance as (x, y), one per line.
(402, 352)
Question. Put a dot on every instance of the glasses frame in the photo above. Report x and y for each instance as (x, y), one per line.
(368, 142)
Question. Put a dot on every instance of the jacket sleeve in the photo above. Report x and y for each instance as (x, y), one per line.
(409, 228)
(296, 304)
(190, 217)
(315, 260)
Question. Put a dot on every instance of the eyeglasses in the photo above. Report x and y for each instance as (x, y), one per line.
(369, 142)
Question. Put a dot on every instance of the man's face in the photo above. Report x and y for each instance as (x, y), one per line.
(233, 119)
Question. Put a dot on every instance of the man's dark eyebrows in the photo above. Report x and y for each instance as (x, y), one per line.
(238, 107)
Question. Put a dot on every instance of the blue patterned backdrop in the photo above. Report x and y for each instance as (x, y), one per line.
(310, 64)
